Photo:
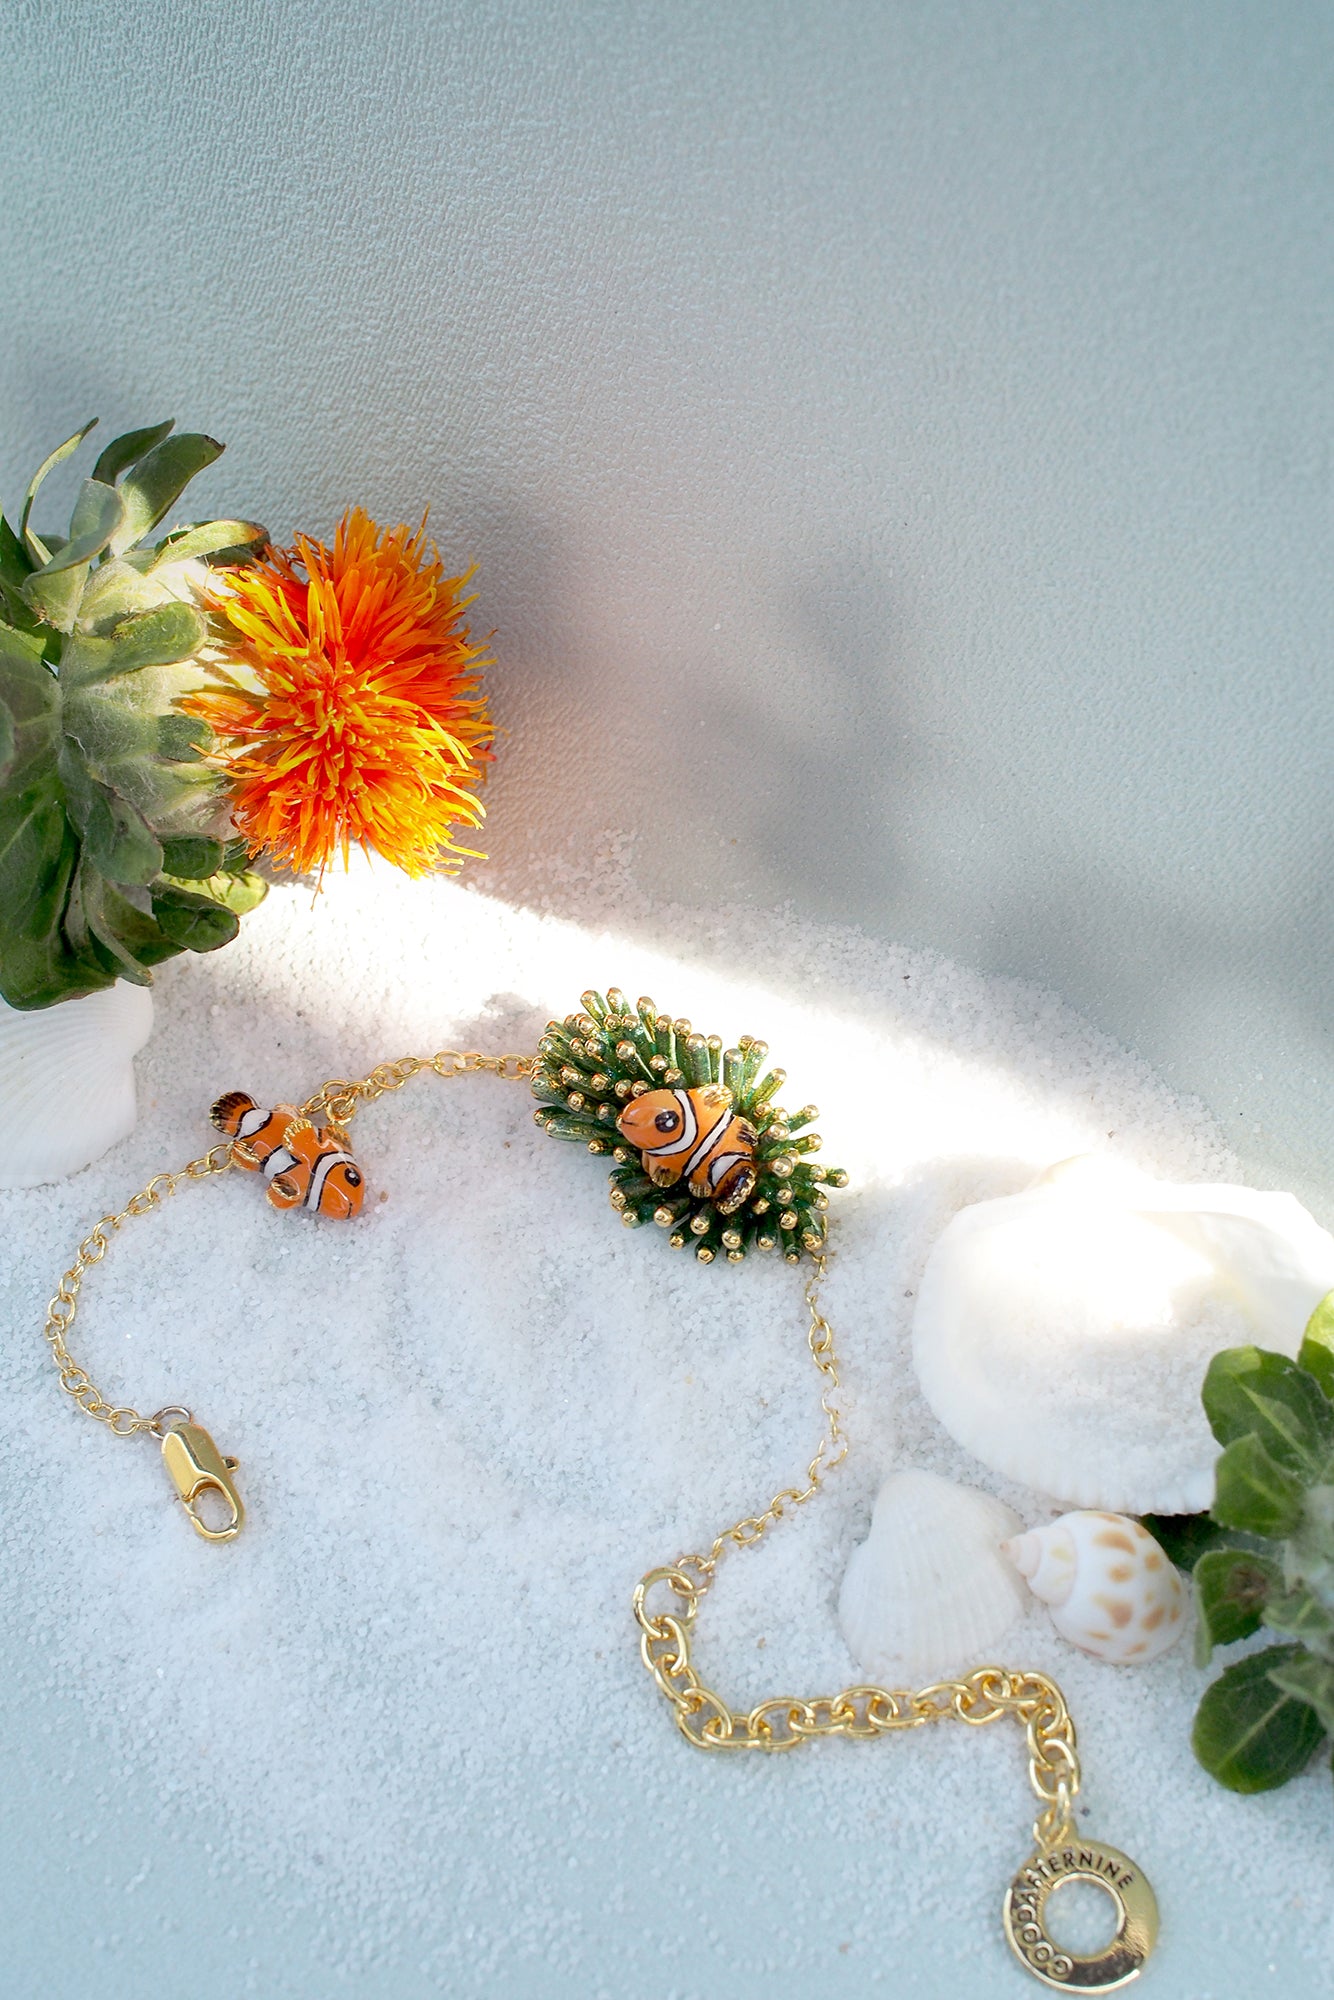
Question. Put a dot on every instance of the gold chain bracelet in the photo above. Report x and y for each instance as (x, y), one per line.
(581, 1098)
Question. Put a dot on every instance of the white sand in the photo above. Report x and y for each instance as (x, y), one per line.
(468, 1422)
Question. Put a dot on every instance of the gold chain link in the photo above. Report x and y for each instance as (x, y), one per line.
(861, 1712)
(703, 1717)
(337, 1100)
(121, 1418)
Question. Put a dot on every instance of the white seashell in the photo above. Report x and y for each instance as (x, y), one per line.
(928, 1592)
(1061, 1335)
(1110, 1587)
(67, 1081)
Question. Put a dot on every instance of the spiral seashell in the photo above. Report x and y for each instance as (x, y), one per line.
(1110, 1588)
(1061, 1334)
(67, 1081)
(928, 1591)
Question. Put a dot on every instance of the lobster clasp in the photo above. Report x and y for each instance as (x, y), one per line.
(195, 1465)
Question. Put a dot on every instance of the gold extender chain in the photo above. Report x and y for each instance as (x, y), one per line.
(862, 1713)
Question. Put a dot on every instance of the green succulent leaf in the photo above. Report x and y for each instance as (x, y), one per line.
(1250, 1392)
(54, 591)
(37, 549)
(15, 562)
(1316, 1353)
(237, 890)
(212, 541)
(1186, 1537)
(1249, 1732)
(1253, 1492)
(124, 450)
(1310, 1680)
(15, 569)
(120, 841)
(157, 481)
(109, 856)
(192, 858)
(1300, 1614)
(97, 514)
(1232, 1588)
(193, 922)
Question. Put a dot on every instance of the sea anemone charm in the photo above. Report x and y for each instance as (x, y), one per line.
(347, 709)
(1110, 1588)
(700, 1146)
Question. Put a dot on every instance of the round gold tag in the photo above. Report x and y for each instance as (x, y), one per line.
(1137, 1917)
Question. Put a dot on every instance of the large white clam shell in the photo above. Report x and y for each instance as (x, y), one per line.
(928, 1593)
(67, 1081)
(1061, 1335)
(1109, 1587)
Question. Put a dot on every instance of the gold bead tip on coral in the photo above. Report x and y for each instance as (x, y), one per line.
(703, 1252)
(663, 1217)
(788, 1219)
(731, 1239)
(699, 1225)
(629, 1218)
(736, 1256)
(617, 1197)
(677, 1240)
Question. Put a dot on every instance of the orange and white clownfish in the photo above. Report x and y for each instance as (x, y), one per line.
(694, 1133)
(305, 1166)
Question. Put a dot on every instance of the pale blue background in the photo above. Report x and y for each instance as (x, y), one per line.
(896, 437)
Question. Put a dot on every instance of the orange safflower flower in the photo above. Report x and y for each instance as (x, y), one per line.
(348, 711)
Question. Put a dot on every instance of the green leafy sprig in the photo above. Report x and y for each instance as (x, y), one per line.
(113, 827)
(1264, 1556)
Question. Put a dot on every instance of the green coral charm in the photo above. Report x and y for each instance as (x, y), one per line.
(700, 1146)
(113, 827)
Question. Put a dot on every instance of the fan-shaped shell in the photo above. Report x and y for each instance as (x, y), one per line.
(67, 1081)
(1061, 1334)
(928, 1592)
(1109, 1586)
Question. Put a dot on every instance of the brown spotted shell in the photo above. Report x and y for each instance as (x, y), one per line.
(1111, 1589)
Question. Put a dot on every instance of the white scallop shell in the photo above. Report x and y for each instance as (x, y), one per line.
(67, 1081)
(1111, 1589)
(1061, 1335)
(928, 1592)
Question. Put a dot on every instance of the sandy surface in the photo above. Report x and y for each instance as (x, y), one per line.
(468, 1423)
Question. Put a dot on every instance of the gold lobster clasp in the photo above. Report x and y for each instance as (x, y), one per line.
(195, 1465)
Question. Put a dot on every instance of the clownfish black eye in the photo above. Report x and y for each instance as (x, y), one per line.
(667, 1121)
(353, 1177)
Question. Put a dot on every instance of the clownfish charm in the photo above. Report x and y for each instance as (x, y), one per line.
(695, 1134)
(306, 1166)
